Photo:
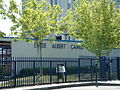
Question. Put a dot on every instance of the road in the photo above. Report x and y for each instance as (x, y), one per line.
(92, 88)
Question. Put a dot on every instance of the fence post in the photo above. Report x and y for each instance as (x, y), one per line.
(96, 71)
(79, 69)
(14, 72)
(118, 68)
(34, 72)
(50, 72)
(109, 70)
(91, 70)
(103, 68)
(65, 73)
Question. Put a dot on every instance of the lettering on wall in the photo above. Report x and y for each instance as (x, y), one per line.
(43, 45)
(60, 46)
(72, 46)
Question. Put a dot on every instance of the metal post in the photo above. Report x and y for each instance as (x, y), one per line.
(50, 71)
(34, 72)
(65, 73)
(79, 69)
(96, 73)
(118, 68)
(91, 70)
(58, 72)
(2, 58)
(15, 73)
(109, 69)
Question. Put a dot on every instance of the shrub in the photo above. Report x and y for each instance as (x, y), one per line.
(30, 71)
(47, 71)
(25, 72)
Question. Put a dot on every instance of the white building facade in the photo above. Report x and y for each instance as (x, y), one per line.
(58, 48)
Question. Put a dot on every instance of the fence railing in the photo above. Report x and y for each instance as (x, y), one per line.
(24, 71)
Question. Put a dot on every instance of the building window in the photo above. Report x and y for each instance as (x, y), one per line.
(66, 36)
(69, 38)
(56, 2)
(51, 2)
(58, 37)
(68, 4)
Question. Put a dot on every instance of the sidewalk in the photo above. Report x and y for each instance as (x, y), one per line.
(64, 85)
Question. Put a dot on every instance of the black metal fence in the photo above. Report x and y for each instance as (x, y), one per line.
(19, 71)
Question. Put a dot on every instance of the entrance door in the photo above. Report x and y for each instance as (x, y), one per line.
(5, 54)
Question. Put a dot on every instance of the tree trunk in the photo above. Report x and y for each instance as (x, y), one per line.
(97, 67)
(39, 50)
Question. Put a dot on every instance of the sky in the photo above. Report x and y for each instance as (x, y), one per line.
(6, 24)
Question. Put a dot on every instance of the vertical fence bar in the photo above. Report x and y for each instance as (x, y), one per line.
(96, 65)
(2, 57)
(118, 68)
(79, 69)
(65, 73)
(91, 69)
(14, 72)
(58, 73)
(109, 70)
(3, 67)
(50, 72)
(34, 73)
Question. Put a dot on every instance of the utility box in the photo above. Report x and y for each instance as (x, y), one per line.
(60, 70)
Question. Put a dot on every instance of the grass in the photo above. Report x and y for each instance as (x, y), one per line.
(45, 79)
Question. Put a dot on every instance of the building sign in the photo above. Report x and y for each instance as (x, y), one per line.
(44, 45)
(72, 46)
(62, 46)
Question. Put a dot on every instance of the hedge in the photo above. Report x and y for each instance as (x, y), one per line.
(46, 71)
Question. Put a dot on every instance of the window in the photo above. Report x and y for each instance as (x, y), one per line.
(51, 2)
(69, 38)
(66, 36)
(68, 4)
(56, 2)
(58, 37)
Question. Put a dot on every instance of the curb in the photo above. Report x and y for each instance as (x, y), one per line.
(76, 85)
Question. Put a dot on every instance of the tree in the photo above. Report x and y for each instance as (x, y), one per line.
(96, 22)
(35, 19)
(2, 9)
(2, 15)
(2, 34)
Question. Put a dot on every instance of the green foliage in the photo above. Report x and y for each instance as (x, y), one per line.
(37, 19)
(2, 9)
(2, 14)
(25, 72)
(96, 22)
(2, 34)
(30, 71)
(82, 69)
(46, 71)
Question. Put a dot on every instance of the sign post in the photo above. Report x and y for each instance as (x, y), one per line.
(60, 70)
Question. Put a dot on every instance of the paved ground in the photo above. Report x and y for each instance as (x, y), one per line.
(92, 88)
(72, 86)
